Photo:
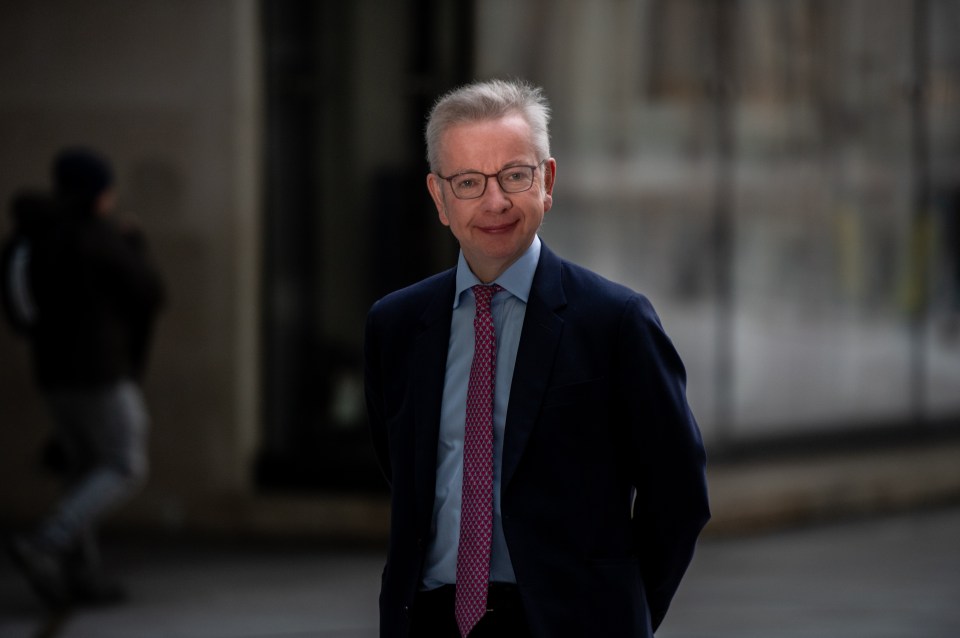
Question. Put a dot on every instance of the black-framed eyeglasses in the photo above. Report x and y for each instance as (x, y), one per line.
(472, 184)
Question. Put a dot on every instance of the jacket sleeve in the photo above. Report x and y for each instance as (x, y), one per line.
(16, 293)
(668, 458)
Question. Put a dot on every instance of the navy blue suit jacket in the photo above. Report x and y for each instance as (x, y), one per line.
(597, 421)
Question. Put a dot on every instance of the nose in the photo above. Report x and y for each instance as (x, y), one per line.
(494, 197)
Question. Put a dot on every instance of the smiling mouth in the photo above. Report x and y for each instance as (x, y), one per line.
(499, 228)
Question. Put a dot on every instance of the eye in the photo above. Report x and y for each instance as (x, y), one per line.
(518, 175)
(466, 181)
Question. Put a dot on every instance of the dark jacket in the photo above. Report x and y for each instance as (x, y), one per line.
(597, 410)
(97, 294)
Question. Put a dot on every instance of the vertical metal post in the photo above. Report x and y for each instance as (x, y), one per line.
(722, 79)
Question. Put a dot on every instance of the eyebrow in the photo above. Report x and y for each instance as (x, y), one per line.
(509, 164)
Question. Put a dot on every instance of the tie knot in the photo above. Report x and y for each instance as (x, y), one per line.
(484, 294)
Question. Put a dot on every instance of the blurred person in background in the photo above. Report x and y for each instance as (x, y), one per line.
(547, 475)
(80, 283)
(33, 214)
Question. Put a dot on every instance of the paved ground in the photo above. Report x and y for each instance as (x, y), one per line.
(895, 577)
(878, 578)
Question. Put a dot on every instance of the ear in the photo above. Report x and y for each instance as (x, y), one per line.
(436, 192)
(549, 179)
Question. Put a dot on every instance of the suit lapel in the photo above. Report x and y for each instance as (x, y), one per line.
(539, 339)
(429, 370)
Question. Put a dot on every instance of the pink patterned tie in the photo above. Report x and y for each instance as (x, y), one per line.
(476, 515)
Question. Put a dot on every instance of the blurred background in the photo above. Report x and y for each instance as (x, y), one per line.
(781, 178)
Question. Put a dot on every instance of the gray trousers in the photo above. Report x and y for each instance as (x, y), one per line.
(103, 437)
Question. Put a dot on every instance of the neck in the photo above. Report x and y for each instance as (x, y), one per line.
(489, 274)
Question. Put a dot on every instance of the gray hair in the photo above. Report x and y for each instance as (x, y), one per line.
(482, 101)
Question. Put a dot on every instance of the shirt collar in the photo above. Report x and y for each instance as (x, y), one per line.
(517, 279)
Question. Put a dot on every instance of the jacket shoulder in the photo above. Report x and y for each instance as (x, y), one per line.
(582, 283)
(412, 300)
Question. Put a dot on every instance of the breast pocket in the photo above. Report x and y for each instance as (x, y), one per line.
(573, 413)
(590, 391)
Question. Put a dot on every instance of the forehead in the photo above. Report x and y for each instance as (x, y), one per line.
(486, 145)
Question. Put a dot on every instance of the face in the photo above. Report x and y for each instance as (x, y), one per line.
(498, 227)
(105, 203)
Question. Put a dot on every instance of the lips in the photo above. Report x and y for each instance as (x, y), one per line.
(499, 228)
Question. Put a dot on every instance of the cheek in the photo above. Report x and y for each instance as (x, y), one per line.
(454, 218)
(456, 228)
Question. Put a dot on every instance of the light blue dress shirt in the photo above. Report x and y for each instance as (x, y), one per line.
(508, 308)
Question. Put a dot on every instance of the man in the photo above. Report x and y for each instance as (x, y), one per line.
(96, 294)
(547, 476)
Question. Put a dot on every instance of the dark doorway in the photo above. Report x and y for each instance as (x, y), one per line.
(347, 216)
